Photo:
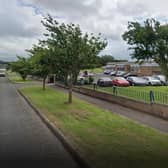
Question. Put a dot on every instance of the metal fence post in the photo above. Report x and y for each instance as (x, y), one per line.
(94, 85)
(115, 90)
(152, 97)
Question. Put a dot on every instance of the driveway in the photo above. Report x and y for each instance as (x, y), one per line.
(23, 136)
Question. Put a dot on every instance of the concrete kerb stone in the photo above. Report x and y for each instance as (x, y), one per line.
(75, 155)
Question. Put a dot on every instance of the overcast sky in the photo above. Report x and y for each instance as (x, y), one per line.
(20, 25)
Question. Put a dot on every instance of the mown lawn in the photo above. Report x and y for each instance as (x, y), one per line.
(95, 70)
(105, 139)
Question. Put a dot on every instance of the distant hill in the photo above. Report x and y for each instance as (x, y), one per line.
(3, 62)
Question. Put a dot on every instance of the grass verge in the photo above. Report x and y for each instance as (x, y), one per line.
(16, 78)
(103, 138)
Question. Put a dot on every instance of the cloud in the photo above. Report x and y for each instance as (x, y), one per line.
(19, 29)
(20, 21)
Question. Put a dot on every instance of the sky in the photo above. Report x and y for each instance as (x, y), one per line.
(20, 21)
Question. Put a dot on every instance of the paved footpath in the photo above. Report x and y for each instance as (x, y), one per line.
(140, 117)
(23, 136)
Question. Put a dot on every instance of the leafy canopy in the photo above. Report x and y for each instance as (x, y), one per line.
(105, 59)
(21, 66)
(73, 49)
(149, 41)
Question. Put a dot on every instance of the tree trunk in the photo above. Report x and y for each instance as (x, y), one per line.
(70, 90)
(66, 80)
(75, 77)
(70, 95)
(44, 82)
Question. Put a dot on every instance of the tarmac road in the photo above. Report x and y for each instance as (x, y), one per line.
(23, 136)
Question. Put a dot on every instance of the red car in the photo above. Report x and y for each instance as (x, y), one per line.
(120, 81)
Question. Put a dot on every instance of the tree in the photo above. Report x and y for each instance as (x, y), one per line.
(149, 41)
(21, 66)
(73, 49)
(41, 61)
(105, 59)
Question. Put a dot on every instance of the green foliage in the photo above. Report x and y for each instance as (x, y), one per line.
(149, 41)
(21, 66)
(105, 59)
(64, 52)
(42, 62)
(74, 50)
(91, 79)
(69, 50)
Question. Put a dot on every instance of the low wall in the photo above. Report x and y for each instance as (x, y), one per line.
(154, 109)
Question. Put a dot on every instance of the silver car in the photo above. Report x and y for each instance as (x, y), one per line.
(104, 81)
(137, 81)
(153, 81)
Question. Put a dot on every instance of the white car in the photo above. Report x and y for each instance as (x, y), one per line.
(2, 73)
(162, 78)
(152, 81)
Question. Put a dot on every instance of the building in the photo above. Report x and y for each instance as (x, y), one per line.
(118, 66)
(149, 69)
(145, 69)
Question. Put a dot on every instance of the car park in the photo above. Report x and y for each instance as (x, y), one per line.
(104, 81)
(120, 81)
(152, 81)
(137, 81)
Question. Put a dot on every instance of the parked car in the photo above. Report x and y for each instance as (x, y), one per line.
(152, 81)
(162, 78)
(137, 81)
(113, 73)
(121, 73)
(107, 72)
(129, 74)
(2, 73)
(104, 81)
(120, 81)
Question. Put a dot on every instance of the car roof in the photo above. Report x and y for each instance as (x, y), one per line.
(105, 78)
(120, 78)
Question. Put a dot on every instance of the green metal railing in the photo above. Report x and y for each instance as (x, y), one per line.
(133, 94)
(145, 96)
